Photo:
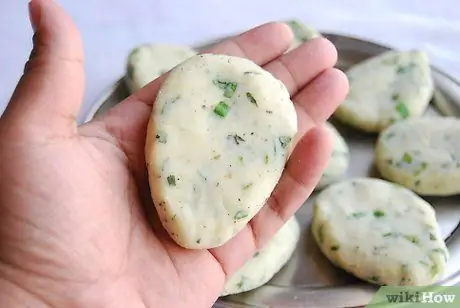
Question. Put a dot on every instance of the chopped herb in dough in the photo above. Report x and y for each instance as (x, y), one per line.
(335, 247)
(402, 110)
(266, 159)
(284, 141)
(171, 180)
(247, 186)
(229, 87)
(432, 237)
(198, 241)
(441, 251)
(358, 215)
(240, 284)
(379, 213)
(221, 109)
(434, 269)
(251, 98)
(422, 168)
(256, 254)
(407, 158)
(240, 158)
(237, 138)
(216, 156)
(413, 239)
(321, 233)
(390, 234)
(240, 215)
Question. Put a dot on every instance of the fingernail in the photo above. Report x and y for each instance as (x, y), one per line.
(34, 14)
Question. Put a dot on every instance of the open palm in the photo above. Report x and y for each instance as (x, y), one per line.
(77, 227)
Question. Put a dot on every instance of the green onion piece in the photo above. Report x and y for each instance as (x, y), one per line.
(216, 157)
(402, 110)
(240, 158)
(358, 214)
(321, 233)
(432, 237)
(388, 234)
(284, 141)
(247, 186)
(395, 97)
(407, 158)
(335, 247)
(413, 239)
(240, 284)
(434, 270)
(422, 168)
(251, 98)
(198, 241)
(221, 109)
(401, 69)
(171, 180)
(240, 215)
(230, 89)
(266, 159)
(379, 213)
(256, 254)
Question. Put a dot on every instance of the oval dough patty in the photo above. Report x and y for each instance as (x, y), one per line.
(422, 154)
(267, 262)
(338, 162)
(380, 232)
(148, 62)
(387, 88)
(218, 139)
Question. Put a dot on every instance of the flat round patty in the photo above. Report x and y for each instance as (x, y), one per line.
(390, 87)
(380, 232)
(422, 154)
(219, 136)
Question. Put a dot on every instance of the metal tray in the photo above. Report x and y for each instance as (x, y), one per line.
(309, 279)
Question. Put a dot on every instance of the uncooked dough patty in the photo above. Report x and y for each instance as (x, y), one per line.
(266, 262)
(379, 231)
(219, 136)
(148, 62)
(422, 154)
(390, 87)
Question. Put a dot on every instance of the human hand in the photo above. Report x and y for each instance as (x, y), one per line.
(77, 227)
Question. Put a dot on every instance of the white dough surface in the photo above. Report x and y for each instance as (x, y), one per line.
(218, 139)
(380, 232)
(422, 154)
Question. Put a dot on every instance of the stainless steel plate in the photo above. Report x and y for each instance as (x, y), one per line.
(309, 279)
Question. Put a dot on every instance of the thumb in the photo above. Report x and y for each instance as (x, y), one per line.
(49, 94)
